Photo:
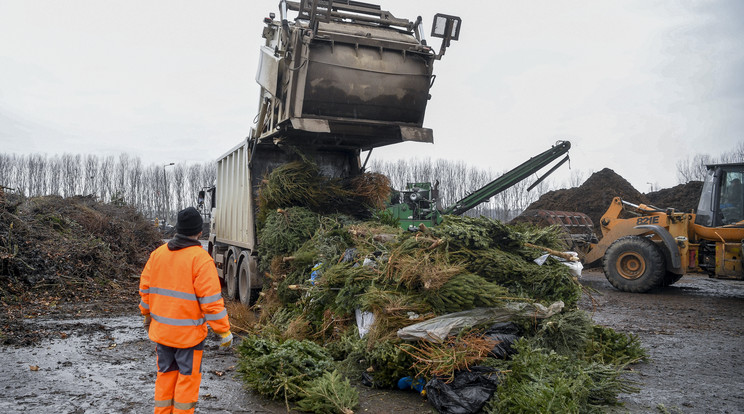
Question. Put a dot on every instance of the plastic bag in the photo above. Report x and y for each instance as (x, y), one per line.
(439, 328)
(506, 333)
(466, 394)
(411, 383)
(364, 320)
(574, 266)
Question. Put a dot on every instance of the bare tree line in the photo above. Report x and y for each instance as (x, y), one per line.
(158, 191)
(693, 168)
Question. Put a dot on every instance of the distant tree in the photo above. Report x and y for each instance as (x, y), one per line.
(90, 173)
(693, 168)
(6, 169)
(134, 173)
(736, 155)
(179, 187)
(71, 174)
(209, 174)
(105, 173)
(150, 182)
(36, 165)
(193, 178)
(576, 178)
(54, 172)
(120, 180)
(20, 175)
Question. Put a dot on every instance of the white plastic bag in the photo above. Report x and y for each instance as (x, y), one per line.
(439, 328)
(574, 266)
(364, 321)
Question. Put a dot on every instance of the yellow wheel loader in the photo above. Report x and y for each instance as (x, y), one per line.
(656, 247)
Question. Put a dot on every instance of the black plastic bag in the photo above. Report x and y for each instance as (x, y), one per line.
(506, 333)
(466, 394)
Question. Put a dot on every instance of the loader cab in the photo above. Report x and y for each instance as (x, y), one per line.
(722, 199)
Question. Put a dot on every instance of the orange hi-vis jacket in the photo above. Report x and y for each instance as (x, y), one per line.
(180, 290)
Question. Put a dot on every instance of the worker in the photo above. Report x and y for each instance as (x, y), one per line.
(180, 295)
(734, 192)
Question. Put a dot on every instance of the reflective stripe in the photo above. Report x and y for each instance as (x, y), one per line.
(216, 316)
(164, 403)
(172, 293)
(184, 406)
(182, 295)
(210, 299)
(178, 322)
(144, 305)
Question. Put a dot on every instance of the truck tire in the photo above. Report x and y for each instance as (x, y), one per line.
(231, 278)
(248, 293)
(634, 264)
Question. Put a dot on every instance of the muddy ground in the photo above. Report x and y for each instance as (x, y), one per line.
(96, 358)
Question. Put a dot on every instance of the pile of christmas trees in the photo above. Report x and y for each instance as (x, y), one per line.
(343, 289)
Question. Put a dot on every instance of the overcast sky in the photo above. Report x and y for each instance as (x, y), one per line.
(635, 85)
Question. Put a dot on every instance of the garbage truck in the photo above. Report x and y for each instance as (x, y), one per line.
(339, 78)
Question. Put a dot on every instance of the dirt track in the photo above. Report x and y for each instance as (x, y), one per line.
(694, 334)
(102, 364)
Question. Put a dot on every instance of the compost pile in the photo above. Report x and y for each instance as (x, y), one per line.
(595, 195)
(682, 197)
(56, 251)
(459, 312)
(592, 198)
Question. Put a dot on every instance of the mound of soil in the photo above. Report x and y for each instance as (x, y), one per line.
(683, 197)
(592, 198)
(57, 252)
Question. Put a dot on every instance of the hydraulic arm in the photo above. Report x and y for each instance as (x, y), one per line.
(417, 204)
(511, 178)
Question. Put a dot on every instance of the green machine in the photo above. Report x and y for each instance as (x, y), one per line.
(418, 203)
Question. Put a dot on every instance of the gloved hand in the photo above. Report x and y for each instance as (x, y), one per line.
(227, 338)
(146, 323)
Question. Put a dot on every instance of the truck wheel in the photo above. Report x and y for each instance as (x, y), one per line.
(634, 264)
(248, 294)
(231, 278)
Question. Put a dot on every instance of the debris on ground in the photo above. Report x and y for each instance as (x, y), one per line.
(58, 251)
(340, 288)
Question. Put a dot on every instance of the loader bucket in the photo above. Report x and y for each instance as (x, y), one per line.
(578, 227)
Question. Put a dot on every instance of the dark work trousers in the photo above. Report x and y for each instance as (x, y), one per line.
(178, 380)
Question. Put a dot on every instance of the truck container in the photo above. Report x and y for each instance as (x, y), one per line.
(341, 78)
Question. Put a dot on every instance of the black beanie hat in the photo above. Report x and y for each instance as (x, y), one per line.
(189, 222)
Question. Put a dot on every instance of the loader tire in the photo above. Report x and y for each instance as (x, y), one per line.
(634, 264)
(670, 279)
(231, 278)
(248, 293)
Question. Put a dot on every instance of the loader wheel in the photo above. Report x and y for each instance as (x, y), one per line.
(670, 279)
(248, 294)
(231, 278)
(634, 264)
